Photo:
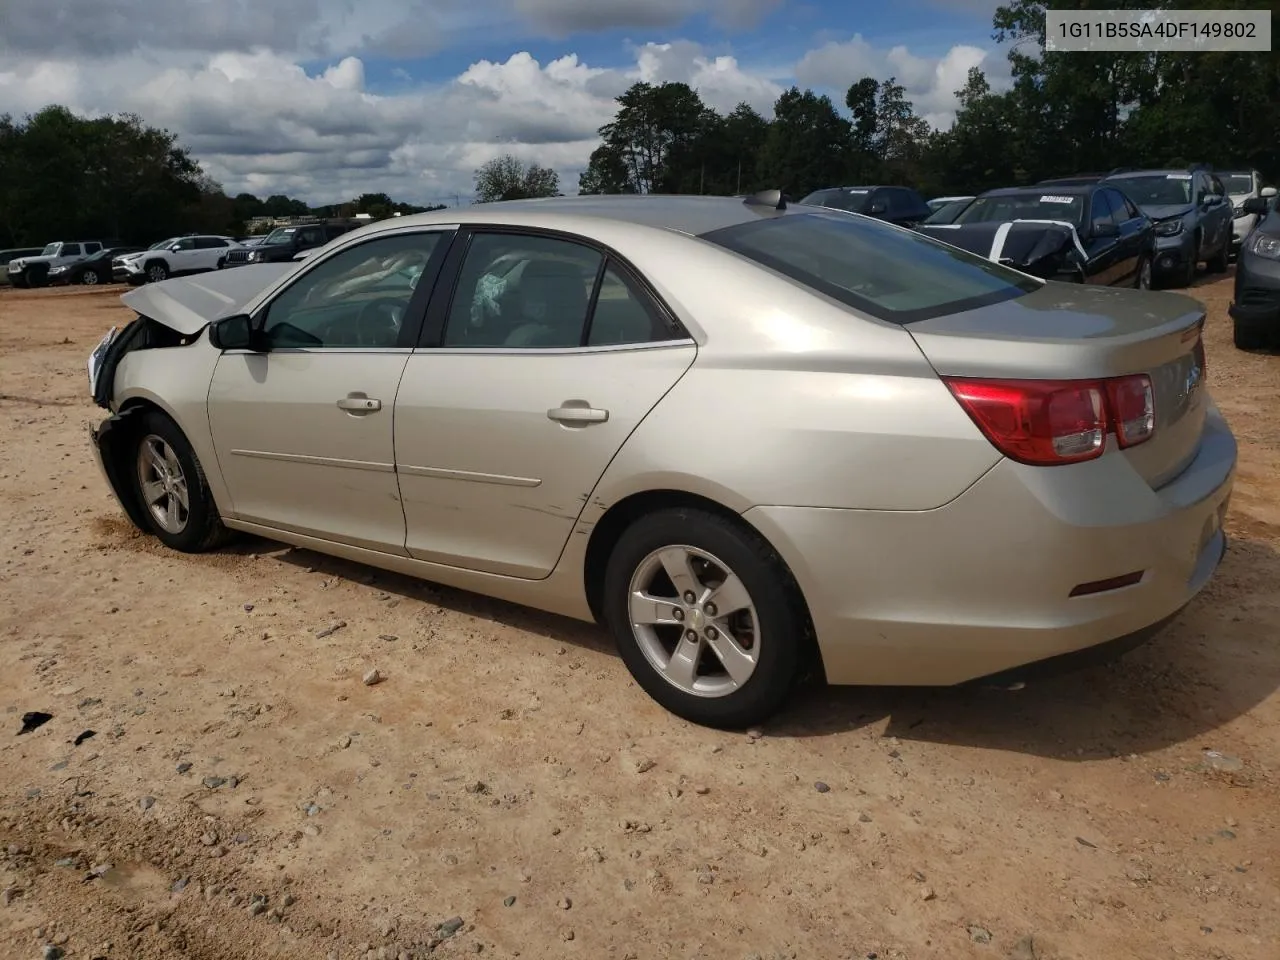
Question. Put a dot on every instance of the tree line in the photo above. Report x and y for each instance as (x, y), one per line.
(115, 179)
(1063, 113)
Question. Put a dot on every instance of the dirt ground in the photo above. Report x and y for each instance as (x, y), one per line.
(509, 792)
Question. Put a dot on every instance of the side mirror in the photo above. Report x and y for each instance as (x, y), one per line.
(175, 247)
(877, 209)
(237, 333)
(1267, 192)
(1107, 229)
(1256, 205)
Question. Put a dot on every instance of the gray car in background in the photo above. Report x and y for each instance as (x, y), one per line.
(1192, 219)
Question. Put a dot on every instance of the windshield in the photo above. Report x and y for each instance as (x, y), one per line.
(1237, 182)
(852, 199)
(51, 250)
(893, 274)
(1156, 190)
(947, 212)
(280, 235)
(163, 243)
(1032, 205)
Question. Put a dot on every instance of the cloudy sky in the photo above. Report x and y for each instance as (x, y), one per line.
(326, 99)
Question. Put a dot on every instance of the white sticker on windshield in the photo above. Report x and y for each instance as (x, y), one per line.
(857, 191)
(1057, 199)
(1178, 176)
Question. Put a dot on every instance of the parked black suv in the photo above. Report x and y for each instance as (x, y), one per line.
(900, 205)
(285, 243)
(1255, 309)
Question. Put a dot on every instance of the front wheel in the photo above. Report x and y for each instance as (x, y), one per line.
(157, 271)
(1143, 280)
(171, 487)
(90, 278)
(1248, 337)
(706, 617)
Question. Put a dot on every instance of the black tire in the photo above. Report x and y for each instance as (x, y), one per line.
(1188, 276)
(1222, 260)
(90, 278)
(782, 628)
(1247, 337)
(19, 280)
(36, 277)
(203, 529)
(1142, 279)
(156, 271)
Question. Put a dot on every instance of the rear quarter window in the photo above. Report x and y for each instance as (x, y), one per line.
(890, 273)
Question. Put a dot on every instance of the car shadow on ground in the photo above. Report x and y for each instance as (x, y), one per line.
(1201, 671)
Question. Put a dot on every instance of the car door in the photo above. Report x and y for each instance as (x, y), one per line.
(530, 378)
(303, 431)
(183, 256)
(1101, 241)
(1130, 245)
(208, 251)
(67, 255)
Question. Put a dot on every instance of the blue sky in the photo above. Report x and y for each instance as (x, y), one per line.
(326, 99)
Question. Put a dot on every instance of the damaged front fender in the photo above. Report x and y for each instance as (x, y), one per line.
(111, 442)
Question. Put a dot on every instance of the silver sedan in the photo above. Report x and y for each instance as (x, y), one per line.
(752, 438)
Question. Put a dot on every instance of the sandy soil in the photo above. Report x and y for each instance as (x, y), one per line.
(508, 791)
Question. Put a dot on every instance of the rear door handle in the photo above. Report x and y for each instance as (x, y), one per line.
(573, 413)
(359, 403)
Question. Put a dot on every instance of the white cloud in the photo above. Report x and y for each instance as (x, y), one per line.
(930, 82)
(227, 76)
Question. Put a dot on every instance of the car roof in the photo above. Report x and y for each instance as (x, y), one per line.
(688, 214)
(1154, 173)
(1070, 189)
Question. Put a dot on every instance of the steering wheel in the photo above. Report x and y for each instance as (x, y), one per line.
(378, 323)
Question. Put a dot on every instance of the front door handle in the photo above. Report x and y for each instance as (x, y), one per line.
(359, 403)
(572, 413)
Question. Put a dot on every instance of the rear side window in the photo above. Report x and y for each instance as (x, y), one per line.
(890, 273)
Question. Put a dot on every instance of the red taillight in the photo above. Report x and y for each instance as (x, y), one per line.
(1046, 422)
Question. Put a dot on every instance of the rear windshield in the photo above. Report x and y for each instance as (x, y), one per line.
(852, 199)
(890, 273)
(1156, 190)
(1033, 205)
(947, 212)
(1237, 182)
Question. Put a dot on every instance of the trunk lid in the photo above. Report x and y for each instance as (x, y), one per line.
(1075, 332)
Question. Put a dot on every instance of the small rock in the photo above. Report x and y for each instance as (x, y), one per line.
(330, 630)
(1085, 843)
(1161, 776)
(388, 637)
(979, 934)
(311, 830)
(344, 742)
(146, 803)
(85, 735)
(564, 903)
(755, 733)
(864, 818)
(209, 839)
(257, 908)
(1221, 762)
(1227, 834)
(213, 783)
(821, 787)
(701, 790)
(248, 608)
(593, 855)
(52, 952)
(926, 894)
(1025, 949)
(218, 852)
(289, 900)
(644, 766)
(184, 766)
(10, 894)
(509, 902)
(478, 787)
(566, 935)
(450, 926)
(372, 677)
(180, 885)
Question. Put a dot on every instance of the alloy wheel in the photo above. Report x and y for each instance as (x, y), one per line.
(163, 484)
(694, 620)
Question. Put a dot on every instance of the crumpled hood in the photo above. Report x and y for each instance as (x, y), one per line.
(188, 304)
(1020, 243)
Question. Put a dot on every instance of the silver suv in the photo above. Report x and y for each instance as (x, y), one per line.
(34, 271)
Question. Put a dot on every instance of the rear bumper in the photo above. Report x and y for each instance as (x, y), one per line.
(982, 585)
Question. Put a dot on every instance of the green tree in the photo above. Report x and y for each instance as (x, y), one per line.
(606, 172)
(807, 146)
(506, 178)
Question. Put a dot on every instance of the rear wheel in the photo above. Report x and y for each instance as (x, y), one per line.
(1222, 259)
(706, 617)
(1248, 337)
(171, 487)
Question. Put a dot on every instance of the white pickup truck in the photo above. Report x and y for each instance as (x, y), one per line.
(34, 271)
